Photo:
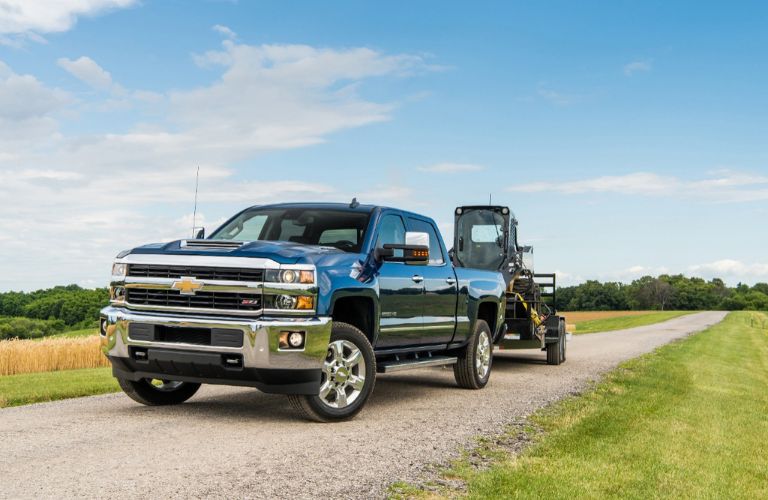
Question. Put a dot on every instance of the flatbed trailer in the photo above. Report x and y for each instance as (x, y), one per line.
(485, 237)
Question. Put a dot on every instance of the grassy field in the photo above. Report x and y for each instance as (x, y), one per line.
(29, 388)
(686, 421)
(606, 321)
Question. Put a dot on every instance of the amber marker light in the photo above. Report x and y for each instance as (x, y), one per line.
(306, 277)
(305, 302)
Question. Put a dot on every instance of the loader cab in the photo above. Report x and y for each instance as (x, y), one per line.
(485, 237)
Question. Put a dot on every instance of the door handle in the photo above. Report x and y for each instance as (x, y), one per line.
(450, 281)
(417, 279)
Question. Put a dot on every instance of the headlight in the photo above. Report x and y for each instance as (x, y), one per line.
(290, 276)
(295, 302)
(117, 294)
(119, 270)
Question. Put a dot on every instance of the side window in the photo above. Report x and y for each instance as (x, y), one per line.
(435, 251)
(392, 232)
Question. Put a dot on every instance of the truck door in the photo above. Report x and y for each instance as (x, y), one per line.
(440, 288)
(401, 292)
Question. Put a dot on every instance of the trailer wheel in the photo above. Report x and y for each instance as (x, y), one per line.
(563, 340)
(473, 369)
(555, 351)
(349, 374)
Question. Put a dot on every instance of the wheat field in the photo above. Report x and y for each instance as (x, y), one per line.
(580, 316)
(31, 356)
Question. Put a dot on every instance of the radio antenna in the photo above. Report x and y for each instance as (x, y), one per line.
(194, 212)
(490, 199)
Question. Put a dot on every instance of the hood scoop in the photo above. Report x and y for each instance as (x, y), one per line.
(212, 244)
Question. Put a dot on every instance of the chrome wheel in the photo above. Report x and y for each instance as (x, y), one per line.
(343, 374)
(483, 355)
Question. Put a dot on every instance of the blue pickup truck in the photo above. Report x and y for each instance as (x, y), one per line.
(308, 300)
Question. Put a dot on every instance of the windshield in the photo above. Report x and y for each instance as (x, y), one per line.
(342, 229)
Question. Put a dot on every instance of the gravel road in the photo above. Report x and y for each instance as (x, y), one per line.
(234, 442)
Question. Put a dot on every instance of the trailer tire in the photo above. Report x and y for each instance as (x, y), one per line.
(473, 368)
(563, 340)
(555, 352)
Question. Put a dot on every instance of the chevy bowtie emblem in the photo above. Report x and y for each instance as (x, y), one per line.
(187, 286)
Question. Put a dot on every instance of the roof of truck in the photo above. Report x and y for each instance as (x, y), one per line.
(340, 206)
(336, 206)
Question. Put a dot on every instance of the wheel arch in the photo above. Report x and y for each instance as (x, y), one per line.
(358, 308)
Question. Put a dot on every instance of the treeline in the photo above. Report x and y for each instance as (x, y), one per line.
(72, 306)
(665, 292)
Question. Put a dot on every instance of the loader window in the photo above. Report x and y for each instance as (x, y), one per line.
(486, 234)
(480, 239)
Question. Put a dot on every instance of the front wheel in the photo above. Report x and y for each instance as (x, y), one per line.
(349, 374)
(153, 392)
(473, 369)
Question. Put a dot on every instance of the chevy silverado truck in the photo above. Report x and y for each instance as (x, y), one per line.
(308, 300)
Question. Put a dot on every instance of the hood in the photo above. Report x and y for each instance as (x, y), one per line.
(283, 252)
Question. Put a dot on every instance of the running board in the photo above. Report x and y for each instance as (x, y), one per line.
(412, 364)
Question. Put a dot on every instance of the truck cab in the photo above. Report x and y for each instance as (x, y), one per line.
(309, 300)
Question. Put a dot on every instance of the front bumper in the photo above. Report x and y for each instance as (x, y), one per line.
(262, 363)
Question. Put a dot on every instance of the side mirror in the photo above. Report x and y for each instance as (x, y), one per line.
(414, 252)
(200, 234)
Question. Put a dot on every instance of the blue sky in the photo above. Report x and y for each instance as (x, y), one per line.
(628, 137)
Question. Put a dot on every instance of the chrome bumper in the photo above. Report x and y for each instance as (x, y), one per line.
(264, 363)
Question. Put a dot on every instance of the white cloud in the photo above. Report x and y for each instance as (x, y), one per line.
(97, 194)
(450, 168)
(731, 269)
(224, 31)
(88, 71)
(638, 67)
(50, 16)
(27, 110)
(554, 96)
(724, 186)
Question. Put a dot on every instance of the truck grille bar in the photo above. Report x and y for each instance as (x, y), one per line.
(201, 300)
(201, 273)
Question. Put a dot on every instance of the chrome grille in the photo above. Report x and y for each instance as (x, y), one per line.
(201, 273)
(201, 300)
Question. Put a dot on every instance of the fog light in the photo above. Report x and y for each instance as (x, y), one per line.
(285, 302)
(296, 339)
(291, 340)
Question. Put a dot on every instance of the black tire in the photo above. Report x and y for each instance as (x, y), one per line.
(318, 408)
(555, 351)
(466, 369)
(563, 341)
(144, 392)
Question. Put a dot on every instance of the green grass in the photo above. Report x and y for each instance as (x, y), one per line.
(16, 390)
(88, 332)
(690, 420)
(622, 322)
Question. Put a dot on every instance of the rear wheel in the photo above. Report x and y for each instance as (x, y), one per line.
(556, 351)
(349, 374)
(473, 369)
(153, 392)
(563, 340)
